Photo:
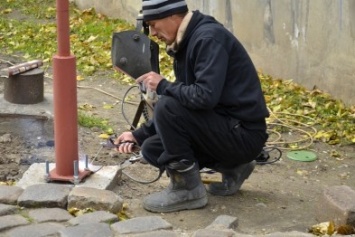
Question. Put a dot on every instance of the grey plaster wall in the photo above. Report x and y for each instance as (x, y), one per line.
(309, 41)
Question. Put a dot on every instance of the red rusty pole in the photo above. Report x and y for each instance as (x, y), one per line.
(65, 102)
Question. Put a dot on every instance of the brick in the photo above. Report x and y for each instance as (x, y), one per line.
(141, 225)
(339, 205)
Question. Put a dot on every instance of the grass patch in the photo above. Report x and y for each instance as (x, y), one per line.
(90, 121)
(41, 9)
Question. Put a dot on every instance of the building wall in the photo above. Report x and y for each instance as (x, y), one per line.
(309, 41)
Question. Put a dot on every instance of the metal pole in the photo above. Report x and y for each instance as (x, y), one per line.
(65, 100)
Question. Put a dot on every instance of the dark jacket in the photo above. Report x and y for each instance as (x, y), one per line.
(214, 72)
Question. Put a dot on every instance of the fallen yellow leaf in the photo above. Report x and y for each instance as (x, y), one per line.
(104, 136)
(79, 78)
(108, 106)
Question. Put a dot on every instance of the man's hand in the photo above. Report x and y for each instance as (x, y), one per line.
(125, 142)
(150, 80)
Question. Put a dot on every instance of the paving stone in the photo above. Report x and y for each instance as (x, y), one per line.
(35, 174)
(45, 195)
(7, 222)
(276, 234)
(49, 215)
(289, 234)
(7, 209)
(87, 230)
(36, 230)
(158, 233)
(104, 200)
(224, 222)
(341, 235)
(9, 194)
(140, 225)
(339, 205)
(94, 217)
(214, 233)
(246, 235)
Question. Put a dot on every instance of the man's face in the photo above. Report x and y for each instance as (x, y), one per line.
(164, 29)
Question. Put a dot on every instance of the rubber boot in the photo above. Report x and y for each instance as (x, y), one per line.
(185, 191)
(232, 179)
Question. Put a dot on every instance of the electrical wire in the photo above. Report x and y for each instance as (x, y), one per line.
(99, 90)
(293, 125)
(122, 106)
(138, 157)
(266, 152)
(123, 102)
(144, 181)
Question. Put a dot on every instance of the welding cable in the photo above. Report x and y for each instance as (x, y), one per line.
(145, 109)
(125, 173)
(138, 157)
(263, 158)
(161, 171)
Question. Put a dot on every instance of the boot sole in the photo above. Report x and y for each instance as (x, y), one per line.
(187, 205)
(216, 191)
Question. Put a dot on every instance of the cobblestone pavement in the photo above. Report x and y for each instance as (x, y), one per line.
(42, 210)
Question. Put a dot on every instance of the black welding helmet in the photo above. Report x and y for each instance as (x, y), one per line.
(133, 52)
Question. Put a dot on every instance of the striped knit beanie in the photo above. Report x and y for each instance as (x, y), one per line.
(158, 9)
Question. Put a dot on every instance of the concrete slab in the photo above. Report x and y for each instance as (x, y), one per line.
(105, 178)
(44, 108)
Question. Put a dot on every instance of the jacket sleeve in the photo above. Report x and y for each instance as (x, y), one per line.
(143, 132)
(209, 63)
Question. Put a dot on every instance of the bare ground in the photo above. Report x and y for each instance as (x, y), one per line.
(283, 196)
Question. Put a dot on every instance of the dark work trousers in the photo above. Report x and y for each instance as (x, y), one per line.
(201, 136)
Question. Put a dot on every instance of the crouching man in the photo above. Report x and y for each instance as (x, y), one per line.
(212, 115)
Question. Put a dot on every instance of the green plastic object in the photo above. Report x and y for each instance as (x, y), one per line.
(305, 156)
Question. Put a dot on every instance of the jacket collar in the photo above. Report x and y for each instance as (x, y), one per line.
(174, 47)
